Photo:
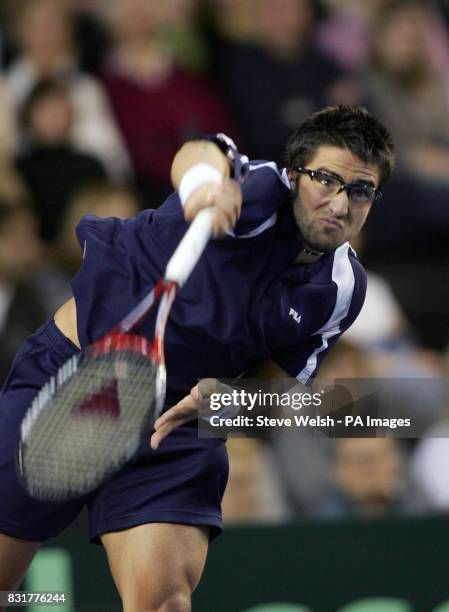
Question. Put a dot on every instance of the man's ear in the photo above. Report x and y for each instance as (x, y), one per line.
(292, 176)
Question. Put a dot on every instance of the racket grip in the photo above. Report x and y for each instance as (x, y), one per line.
(192, 245)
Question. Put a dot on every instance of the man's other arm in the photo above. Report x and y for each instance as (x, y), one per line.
(224, 194)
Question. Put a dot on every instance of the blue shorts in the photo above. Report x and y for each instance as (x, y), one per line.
(181, 482)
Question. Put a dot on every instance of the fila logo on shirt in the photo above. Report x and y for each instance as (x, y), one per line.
(295, 315)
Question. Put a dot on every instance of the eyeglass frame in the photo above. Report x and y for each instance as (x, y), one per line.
(343, 186)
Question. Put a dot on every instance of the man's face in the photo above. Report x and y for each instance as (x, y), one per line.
(327, 221)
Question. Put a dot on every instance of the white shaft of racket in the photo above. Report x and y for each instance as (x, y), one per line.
(189, 250)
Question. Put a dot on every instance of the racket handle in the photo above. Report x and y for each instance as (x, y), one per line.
(192, 245)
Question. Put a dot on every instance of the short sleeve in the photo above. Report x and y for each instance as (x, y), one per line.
(114, 273)
(265, 191)
(265, 188)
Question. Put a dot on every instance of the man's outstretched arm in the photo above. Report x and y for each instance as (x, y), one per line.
(211, 187)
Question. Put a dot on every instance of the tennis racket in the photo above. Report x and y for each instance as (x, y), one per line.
(88, 420)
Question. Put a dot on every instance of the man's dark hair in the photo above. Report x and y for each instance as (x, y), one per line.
(347, 127)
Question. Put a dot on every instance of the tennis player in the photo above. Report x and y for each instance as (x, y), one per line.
(281, 284)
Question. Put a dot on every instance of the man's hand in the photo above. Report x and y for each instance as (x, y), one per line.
(217, 189)
(226, 198)
(187, 409)
(184, 411)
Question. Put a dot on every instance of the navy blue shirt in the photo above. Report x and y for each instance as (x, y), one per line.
(246, 300)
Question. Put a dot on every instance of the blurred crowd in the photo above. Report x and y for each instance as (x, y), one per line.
(96, 96)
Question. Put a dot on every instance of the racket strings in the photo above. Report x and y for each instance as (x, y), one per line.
(94, 419)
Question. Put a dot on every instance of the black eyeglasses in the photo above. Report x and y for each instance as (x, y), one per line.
(327, 184)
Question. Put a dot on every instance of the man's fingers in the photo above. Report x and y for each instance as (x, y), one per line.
(221, 224)
(158, 436)
(187, 407)
(226, 198)
(203, 197)
(195, 393)
(163, 430)
(175, 415)
(184, 411)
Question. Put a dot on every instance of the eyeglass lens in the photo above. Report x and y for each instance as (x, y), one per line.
(329, 184)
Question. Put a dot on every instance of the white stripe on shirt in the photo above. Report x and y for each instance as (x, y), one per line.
(273, 165)
(343, 276)
(257, 230)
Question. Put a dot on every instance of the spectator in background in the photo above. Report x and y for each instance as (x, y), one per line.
(401, 379)
(356, 372)
(101, 199)
(430, 459)
(12, 188)
(306, 489)
(91, 35)
(384, 332)
(381, 325)
(370, 480)
(407, 235)
(50, 166)
(252, 493)
(405, 89)
(234, 20)
(51, 279)
(20, 308)
(275, 82)
(158, 106)
(183, 34)
(45, 34)
(443, 7)
(7, 45)
(8, 123)
(345, 34)
(430, 465)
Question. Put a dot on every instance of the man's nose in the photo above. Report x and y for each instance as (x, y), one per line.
(339, 204)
